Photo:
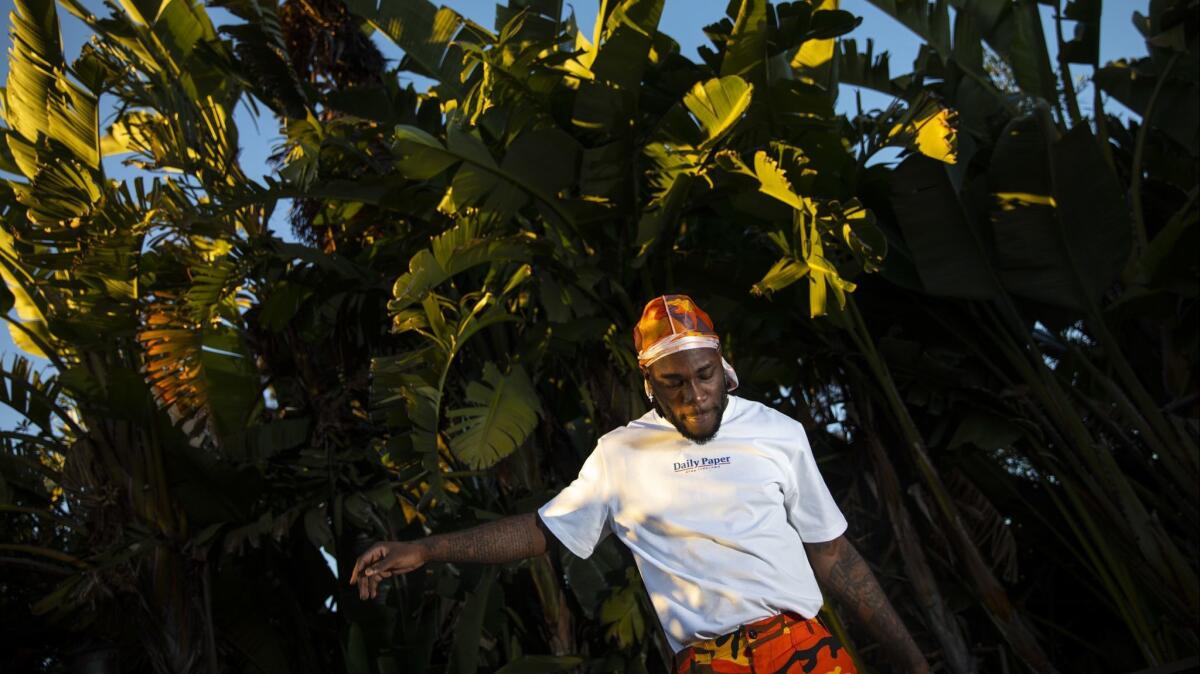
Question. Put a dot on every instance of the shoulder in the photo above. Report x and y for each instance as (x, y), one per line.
(649, 432)
(625, 434)
(764, 421)
(635, 430)
(770, 431)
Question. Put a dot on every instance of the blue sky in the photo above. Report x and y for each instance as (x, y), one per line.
(682, 19)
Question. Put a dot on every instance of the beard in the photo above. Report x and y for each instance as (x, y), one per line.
(699, 439)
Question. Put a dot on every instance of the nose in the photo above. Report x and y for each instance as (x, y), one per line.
(695, 393)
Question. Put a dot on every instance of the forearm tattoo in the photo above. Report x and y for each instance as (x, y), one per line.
(504, 540)
(846, 576)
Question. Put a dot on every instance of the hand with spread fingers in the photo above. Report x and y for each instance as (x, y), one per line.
(382, 561)
(507, 539)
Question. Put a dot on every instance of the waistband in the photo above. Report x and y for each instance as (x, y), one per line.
(745, 637)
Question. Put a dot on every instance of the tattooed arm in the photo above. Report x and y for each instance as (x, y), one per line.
(505, 540)
(843, 573)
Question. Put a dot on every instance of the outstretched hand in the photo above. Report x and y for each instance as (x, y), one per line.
(382, 561)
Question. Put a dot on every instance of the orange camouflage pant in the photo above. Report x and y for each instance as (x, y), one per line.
(783, 644)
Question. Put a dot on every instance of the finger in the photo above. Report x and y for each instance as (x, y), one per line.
(380, 566)
(379, 578)
(362, 589)
(364, 559)
(368, 557)
(358, 564)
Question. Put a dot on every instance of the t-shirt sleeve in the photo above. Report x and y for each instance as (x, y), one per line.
(578, 516)
(811, 509)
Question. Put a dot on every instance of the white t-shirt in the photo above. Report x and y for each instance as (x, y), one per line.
(717, 529)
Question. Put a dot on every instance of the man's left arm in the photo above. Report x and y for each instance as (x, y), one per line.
(843, 573)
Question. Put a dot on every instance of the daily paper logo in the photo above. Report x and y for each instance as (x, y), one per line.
(705, 463)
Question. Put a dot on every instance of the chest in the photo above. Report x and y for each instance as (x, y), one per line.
(696, 483)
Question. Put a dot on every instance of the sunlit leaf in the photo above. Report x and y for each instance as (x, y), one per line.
(456, 250)
(931, 129)
(505, 413)
(199, 374)
(784, 273)
(813, 61)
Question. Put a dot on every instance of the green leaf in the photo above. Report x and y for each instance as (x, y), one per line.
(262, 441)
(426, 33)
(36, 51)
(505, 413)
(1062, 227)
(717, 105)
(827, 24)
(785, 272)
(278, 308)
(1178, 103)
(201, 376)
(43, 103)
(464, 654)
(1093, 215)
(865, 69)
(968, 44)
(588, 578)
(622, 613)
(496, 188)
(746, 48)
(262, 51)
(420, 155)
(928, 127)
(27, 299)
(1014, 30)
(488, 311)
(772, 181)
(231, 380)
(1166, 261)
(7, 299)
(662, 213)
(62, 192)
(625, 42)
(478, 182)
(690, 132)
(41, 98)
(813, 63)
(456, 250)
(949, 255)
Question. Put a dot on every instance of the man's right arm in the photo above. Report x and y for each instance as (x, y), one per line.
(505, 540)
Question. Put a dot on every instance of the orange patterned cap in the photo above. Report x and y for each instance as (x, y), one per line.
(673, 323)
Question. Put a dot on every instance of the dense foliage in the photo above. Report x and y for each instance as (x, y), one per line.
(993, 343)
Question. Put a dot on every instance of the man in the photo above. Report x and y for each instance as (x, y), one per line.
(720, 502)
